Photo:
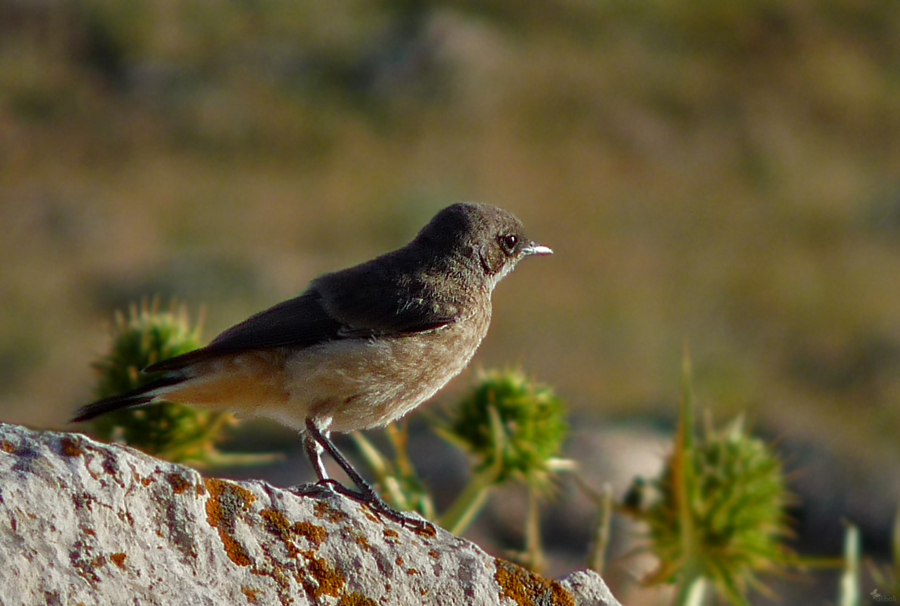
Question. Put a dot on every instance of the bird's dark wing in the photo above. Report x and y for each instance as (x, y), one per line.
(387, 296)
(391, 295)
(298, 322)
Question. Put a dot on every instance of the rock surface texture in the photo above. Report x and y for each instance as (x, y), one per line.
(88, 523)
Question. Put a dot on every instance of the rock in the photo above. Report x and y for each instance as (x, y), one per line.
(88, 523)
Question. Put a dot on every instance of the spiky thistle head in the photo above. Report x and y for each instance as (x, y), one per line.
(512, 423)
(170, 431)
(721, 506)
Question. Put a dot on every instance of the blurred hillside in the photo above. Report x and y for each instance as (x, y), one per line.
(726, 173)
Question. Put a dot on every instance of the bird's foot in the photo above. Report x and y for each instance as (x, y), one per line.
(308, 490)
(374, 502)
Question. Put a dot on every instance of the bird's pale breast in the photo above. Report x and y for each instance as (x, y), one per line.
(357, 385)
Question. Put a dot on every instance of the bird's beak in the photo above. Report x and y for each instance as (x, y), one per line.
(537, 249)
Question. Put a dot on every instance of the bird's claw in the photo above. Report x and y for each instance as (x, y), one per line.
(379, 506)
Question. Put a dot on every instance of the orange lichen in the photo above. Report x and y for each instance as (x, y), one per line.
(312, 533)
(427, 530)
(328, 580)
(276, 519)
(370, 516)
(391, 536)
(252, 595)
(118, 559)
(325, 511)
(363, 542)
(178, 482)
(225, 503)
(355, 599)
(71, 447)
(145, 481)
(277, 524)
(526, 588)
(7, 447)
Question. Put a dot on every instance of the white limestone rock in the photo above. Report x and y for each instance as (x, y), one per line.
(88, 523)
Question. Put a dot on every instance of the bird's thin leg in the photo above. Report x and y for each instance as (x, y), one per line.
(321, 441)
(314, 454)
(366, 494)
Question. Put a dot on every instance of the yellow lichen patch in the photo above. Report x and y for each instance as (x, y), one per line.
(226, 502)
(118, 559)
(526, 588)
(71, 447)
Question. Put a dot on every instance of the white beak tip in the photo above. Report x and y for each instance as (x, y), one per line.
(538, 250)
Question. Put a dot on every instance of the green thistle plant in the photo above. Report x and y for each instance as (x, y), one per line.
(167, 430)
(511, 423)
(720, 515)
(514, 428)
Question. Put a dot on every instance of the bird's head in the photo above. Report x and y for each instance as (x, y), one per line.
(487, 239)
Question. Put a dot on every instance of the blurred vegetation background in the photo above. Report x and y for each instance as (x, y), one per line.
(726, 173)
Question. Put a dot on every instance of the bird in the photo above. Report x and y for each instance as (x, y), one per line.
(360, 347)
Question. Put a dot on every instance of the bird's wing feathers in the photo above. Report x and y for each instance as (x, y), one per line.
(331, 309)
(297, 322)
(371, 299)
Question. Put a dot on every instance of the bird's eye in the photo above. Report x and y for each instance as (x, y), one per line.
(509, 242)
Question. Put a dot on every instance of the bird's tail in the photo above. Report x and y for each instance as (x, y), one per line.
(136, 397)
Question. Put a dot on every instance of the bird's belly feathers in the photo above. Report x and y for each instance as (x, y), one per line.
(361, 384)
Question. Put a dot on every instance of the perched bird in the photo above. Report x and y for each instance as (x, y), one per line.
(361, 347)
